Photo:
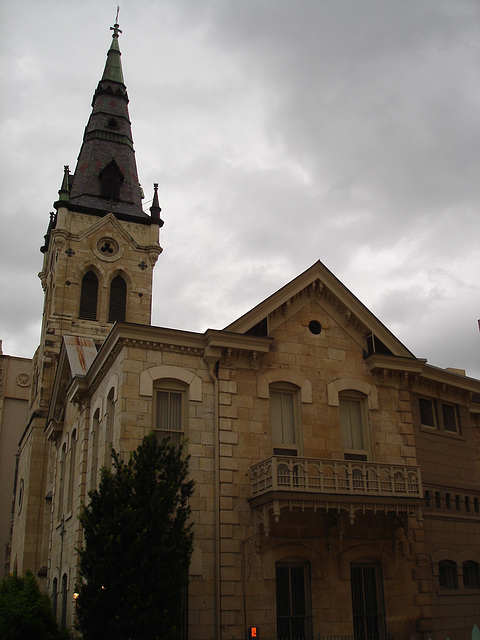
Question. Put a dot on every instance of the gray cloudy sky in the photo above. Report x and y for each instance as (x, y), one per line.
(281, 132)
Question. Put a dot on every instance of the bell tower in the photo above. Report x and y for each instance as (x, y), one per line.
(99, 252)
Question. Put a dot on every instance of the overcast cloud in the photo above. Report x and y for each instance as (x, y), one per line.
(281, 132)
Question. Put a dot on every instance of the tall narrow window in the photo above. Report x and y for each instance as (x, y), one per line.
(169, 420)
(89, 297)
(55, 596)
(367, 601)
(71, 478)
(353, 424)
(94, 460)
(292, 581)
(61, 481)
(63, 618)
(109, 417)
(284, 419)
(118, 300)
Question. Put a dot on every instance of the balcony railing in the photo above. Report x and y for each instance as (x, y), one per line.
(316, 476)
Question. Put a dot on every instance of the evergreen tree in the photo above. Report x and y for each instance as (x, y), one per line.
(25, 612)
(137, 547)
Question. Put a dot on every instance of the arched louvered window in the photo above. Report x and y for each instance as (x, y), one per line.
(89, 297)
(118, 300)
(111, 179)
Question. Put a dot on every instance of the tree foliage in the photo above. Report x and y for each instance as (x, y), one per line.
(137, 546)
(25, 612)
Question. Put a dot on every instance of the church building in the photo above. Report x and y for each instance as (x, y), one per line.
(337, 476)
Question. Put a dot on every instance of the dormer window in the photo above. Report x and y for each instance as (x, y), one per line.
(111, 179)
(112, 123)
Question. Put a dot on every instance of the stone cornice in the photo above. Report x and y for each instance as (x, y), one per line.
(416, 371)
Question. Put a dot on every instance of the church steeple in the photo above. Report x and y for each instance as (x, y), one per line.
(105, 178)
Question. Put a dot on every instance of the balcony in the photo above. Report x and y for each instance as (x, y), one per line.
(340, 485)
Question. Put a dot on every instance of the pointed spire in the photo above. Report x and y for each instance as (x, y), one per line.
(105, 178)
(155, 208)
(113, 67)
(64, 193)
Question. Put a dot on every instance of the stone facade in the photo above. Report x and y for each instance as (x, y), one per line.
(254, 518)
(337, 479)
(14, 385)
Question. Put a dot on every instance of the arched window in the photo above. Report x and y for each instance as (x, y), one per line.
(61, 481)
(54, 596)
(118, 300)
(294, 607)
(367, 599)
(170, 411)
(89, 297)
(471, 575)
(71, 478)
(353, 424)
(63, 619)
(109, 417)
(94, 460)
(447, 574)
(285, 419)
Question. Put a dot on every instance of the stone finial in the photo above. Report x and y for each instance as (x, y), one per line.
(155, 208)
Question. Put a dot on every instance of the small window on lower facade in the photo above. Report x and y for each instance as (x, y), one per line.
(447, 574)
(292, 581)
(471, 575)
(170, 413)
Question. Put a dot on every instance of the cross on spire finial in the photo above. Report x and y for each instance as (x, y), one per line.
(116, 27)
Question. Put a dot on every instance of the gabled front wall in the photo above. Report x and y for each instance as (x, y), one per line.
(320, 366)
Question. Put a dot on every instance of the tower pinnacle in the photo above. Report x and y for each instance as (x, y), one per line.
(105, 178)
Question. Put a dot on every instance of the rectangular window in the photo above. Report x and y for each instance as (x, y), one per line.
(427, 412)
(284, 421)
(292, 581)
(353, 425)
(168, 419)
(450, 421)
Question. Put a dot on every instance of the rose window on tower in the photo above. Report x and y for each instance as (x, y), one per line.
(107, 247)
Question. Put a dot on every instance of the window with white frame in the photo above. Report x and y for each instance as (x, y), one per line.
(285, 419)
(450, 417)
(170, 411)
(442, 416)
(354, 425)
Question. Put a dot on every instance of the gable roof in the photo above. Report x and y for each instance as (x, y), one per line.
(318, 282)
